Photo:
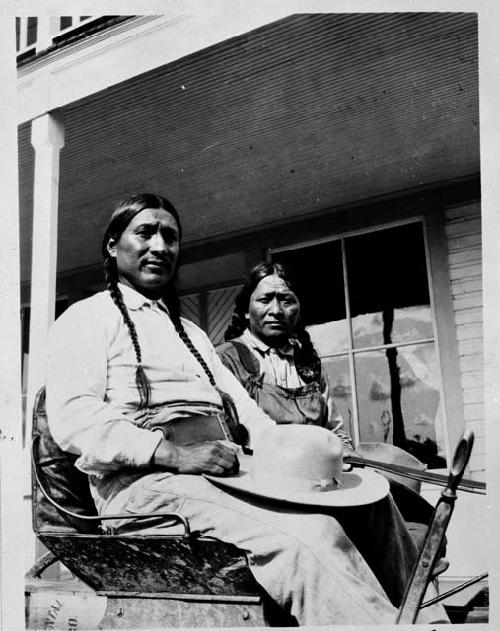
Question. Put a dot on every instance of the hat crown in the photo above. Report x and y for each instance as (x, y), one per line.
(302, 457)
(302, 464)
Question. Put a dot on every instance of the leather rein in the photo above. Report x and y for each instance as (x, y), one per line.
(470, 486)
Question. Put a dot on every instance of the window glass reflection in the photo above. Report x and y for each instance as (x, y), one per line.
(397, 388)
(388, 288)
(339, 379)
(329, 337)
(399, 400)
(317, 277)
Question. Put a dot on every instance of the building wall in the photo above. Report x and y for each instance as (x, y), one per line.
(463, 230)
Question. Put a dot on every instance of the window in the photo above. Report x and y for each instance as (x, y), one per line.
(26, 33)
(32, 30)
(366, 303)
(68, 21)
(65, 22)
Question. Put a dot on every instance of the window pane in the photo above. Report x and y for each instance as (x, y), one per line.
(32, 30)
(317, 278)
(329, 337)
(66, 21)
(388, 288)
(399, 400)
(339, 378)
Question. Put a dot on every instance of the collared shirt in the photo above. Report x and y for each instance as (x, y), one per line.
(276, 364)
(277, 367)
(92, 397)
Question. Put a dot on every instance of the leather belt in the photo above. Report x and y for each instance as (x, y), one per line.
(195, 429)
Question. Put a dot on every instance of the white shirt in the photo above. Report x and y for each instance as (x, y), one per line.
(277, 365)
(91, 392)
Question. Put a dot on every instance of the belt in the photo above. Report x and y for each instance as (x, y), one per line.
(195, 429)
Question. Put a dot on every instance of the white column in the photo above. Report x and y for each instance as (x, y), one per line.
(11, 546)
(23, 33)
(48, 26)
(47, 137)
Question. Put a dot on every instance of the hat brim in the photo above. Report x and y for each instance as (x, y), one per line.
(356, 489)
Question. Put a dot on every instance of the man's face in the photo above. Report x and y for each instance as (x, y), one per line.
(147, 251)
(273, 311)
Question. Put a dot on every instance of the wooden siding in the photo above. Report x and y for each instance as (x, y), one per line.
(190, 308)
(212, 310)
(220, 307)
(463, 230)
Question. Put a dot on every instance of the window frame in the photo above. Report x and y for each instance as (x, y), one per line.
(441, 306)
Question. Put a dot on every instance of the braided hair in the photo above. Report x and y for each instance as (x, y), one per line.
(306, 358)
(121, 217)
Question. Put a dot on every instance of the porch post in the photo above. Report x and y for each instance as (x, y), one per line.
(47, 137)
(48, 26)
(11, 546)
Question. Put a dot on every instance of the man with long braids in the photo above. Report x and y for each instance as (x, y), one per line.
(124, 369)
(271, 354)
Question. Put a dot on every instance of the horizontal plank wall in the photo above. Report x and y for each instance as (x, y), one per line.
(463, 230)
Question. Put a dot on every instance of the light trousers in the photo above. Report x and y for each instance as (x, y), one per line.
(340, 566)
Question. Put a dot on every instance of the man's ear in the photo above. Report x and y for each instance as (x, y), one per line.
(247, 316)
(111, 247)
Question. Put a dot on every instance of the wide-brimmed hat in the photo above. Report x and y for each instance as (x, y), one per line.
(302, 464)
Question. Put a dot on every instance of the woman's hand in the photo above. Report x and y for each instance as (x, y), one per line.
(213, 457)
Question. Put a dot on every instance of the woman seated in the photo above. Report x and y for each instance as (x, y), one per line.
(271, 354)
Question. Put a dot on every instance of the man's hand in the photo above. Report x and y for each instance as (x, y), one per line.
(214, 458)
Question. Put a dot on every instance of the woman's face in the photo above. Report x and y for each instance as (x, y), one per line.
(273, 311)
(147, 251)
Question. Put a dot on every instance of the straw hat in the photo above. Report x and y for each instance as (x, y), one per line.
(302, 464)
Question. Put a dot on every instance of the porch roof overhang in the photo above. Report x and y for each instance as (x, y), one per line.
(295, 119)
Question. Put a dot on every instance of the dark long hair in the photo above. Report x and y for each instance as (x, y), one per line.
(307, 361)
(121, 217)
